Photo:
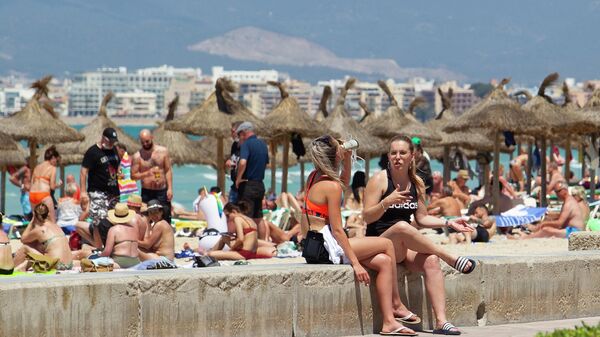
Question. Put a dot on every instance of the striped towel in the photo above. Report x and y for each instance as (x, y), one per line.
(127, 186)
(520, 215)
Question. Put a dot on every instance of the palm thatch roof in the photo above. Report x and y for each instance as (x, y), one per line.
(287, 117)
(591, 110)
(443, 117)
(7, 143)
(437, 152)
(182, 150)
(497, 111)
(216, 114)
(322, 113)
(11, 153)
(37, 121)
(93, 132)
(344, 126)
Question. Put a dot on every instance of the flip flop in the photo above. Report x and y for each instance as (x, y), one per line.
(461, 264)
(447, 330)
(407, 319)
(398, 332)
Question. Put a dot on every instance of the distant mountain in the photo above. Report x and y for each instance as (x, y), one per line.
(259, 45)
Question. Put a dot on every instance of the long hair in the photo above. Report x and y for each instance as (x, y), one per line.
(323, 152)
(412, 169)
(51, 153)
(41, 212)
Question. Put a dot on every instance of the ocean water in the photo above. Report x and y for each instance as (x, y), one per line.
(187, 179)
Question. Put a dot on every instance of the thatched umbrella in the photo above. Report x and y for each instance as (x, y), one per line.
(287, 119)
(38, 123)
(340, 123)
(213, 118)
(368, 119)
(399, 122)
(591, 114)
(182, 150)
(496, 112)
(11, 153)
(322, 113)
(438, 123)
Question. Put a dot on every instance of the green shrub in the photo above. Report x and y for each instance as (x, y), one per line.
(578, 331)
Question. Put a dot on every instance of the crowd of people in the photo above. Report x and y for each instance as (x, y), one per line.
(366, 222)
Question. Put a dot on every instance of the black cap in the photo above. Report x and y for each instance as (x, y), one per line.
(111, 134)
(154, 204)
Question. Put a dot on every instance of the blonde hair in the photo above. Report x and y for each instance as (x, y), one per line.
(412, 170)
(323, 152)
(578, 191)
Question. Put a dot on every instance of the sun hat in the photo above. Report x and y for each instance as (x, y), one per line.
(134, 200)
(464, 174)
(120, 214)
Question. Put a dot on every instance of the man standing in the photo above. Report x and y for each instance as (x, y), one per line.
(231, 163)
(152, 165)
(254, 157)
(98, 181)
(22, 179)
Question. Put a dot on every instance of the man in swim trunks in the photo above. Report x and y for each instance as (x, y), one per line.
(98, 181)
(22, 179)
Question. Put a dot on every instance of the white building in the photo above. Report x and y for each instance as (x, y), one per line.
(135, 104)
(14, 98)
(245, 76)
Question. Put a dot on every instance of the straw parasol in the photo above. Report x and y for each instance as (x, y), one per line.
(322, 113)
(93, 131)
(398, 121)
(287, 119)
(214, 118)
(11, 153)
(591, 114)
(38, 123)
(340, 123)
(497, 112)
(182, 150)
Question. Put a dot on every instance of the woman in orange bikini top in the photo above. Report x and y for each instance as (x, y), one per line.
(243, 243)
(43, 181)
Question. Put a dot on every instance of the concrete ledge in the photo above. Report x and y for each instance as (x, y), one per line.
(288, 299)
(584, 241)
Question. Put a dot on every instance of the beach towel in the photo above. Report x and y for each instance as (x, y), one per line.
(520, 215)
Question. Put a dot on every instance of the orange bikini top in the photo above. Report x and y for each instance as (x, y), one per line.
(47, 179)
(311, 208)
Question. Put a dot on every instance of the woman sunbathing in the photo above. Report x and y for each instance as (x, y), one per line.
(122, 238)
(7, 264)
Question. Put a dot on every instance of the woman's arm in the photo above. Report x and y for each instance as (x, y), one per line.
(29, 235)
(152, 239)
(346, 168)
(374, 206)
(53, 184)
(429, 221)
(110, 242)
(239, 231)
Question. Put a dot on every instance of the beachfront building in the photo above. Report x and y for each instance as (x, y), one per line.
(88, 88)
(14, 98)
(136, 104)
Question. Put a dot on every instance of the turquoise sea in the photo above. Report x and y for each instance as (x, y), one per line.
(188, 178)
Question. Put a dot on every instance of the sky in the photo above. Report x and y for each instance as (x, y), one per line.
(480, 40)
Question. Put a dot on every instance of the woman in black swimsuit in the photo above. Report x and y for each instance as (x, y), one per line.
(392, 198)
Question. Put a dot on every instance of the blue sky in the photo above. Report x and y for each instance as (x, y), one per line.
(479, 39)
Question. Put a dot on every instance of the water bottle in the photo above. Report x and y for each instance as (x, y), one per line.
(350, 144)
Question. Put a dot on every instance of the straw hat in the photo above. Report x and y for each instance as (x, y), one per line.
(134, 200)
(121, 214)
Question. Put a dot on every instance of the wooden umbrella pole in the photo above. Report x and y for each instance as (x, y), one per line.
(273, 161)
(593, 171)
(3, 185)
(286, 153)
(220, 164)
(486, 179)
(495, 185)
(529, 166)
(446, 162)
(62, 178)
(582, 158)
(302, 176)
(32, 154)
(367, 167)
(543, 199)
(568, 159)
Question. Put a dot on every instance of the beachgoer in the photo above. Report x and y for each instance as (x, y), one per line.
(323, 211)
(447, 206)
(460, 190)
(254, 157)
(44, 234)
(152, 165)
(485, 225)
(555, 178)
(579, 194)
(159, 241)
(232, 161)
(122, 240)
(243, 241)
(22, 179)
(43, 181)
(507, 188)
(423, 167)
(354, 200)
(556, 157)
(438, 185)
(570, 220)
(392, 198)
(69, 210)
(517, 165)
(127, 186)
(7, 264)
(134, 202)
(71, 180)
(504, 202)
(98, 181)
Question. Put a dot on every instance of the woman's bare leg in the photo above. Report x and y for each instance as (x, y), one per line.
(221, 255)
(50, 204)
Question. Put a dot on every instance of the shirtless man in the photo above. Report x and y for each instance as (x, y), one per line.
(556, 178)
(446, 206)
(22, 179)
(159, 240)
(460, 190)
(570, 219)
(152, 165)
(134, 203)
(515, 173)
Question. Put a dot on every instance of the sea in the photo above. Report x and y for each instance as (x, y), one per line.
(187, 179)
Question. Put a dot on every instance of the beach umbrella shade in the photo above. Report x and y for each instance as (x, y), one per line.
(182, 150)
(286, 119)
(214, 117)
(398, 121)
(591, 113)
(38, 123)
(11, 153)
(497, 112)
(72, 151)
(322, 113)
(368, 119)
(438, 123)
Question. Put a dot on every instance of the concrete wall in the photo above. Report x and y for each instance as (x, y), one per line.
(289, 299)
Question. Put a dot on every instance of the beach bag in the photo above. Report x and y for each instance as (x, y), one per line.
(202, 261)
(88, 265)
(42, 263)
(74, 241)
(313, 245)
